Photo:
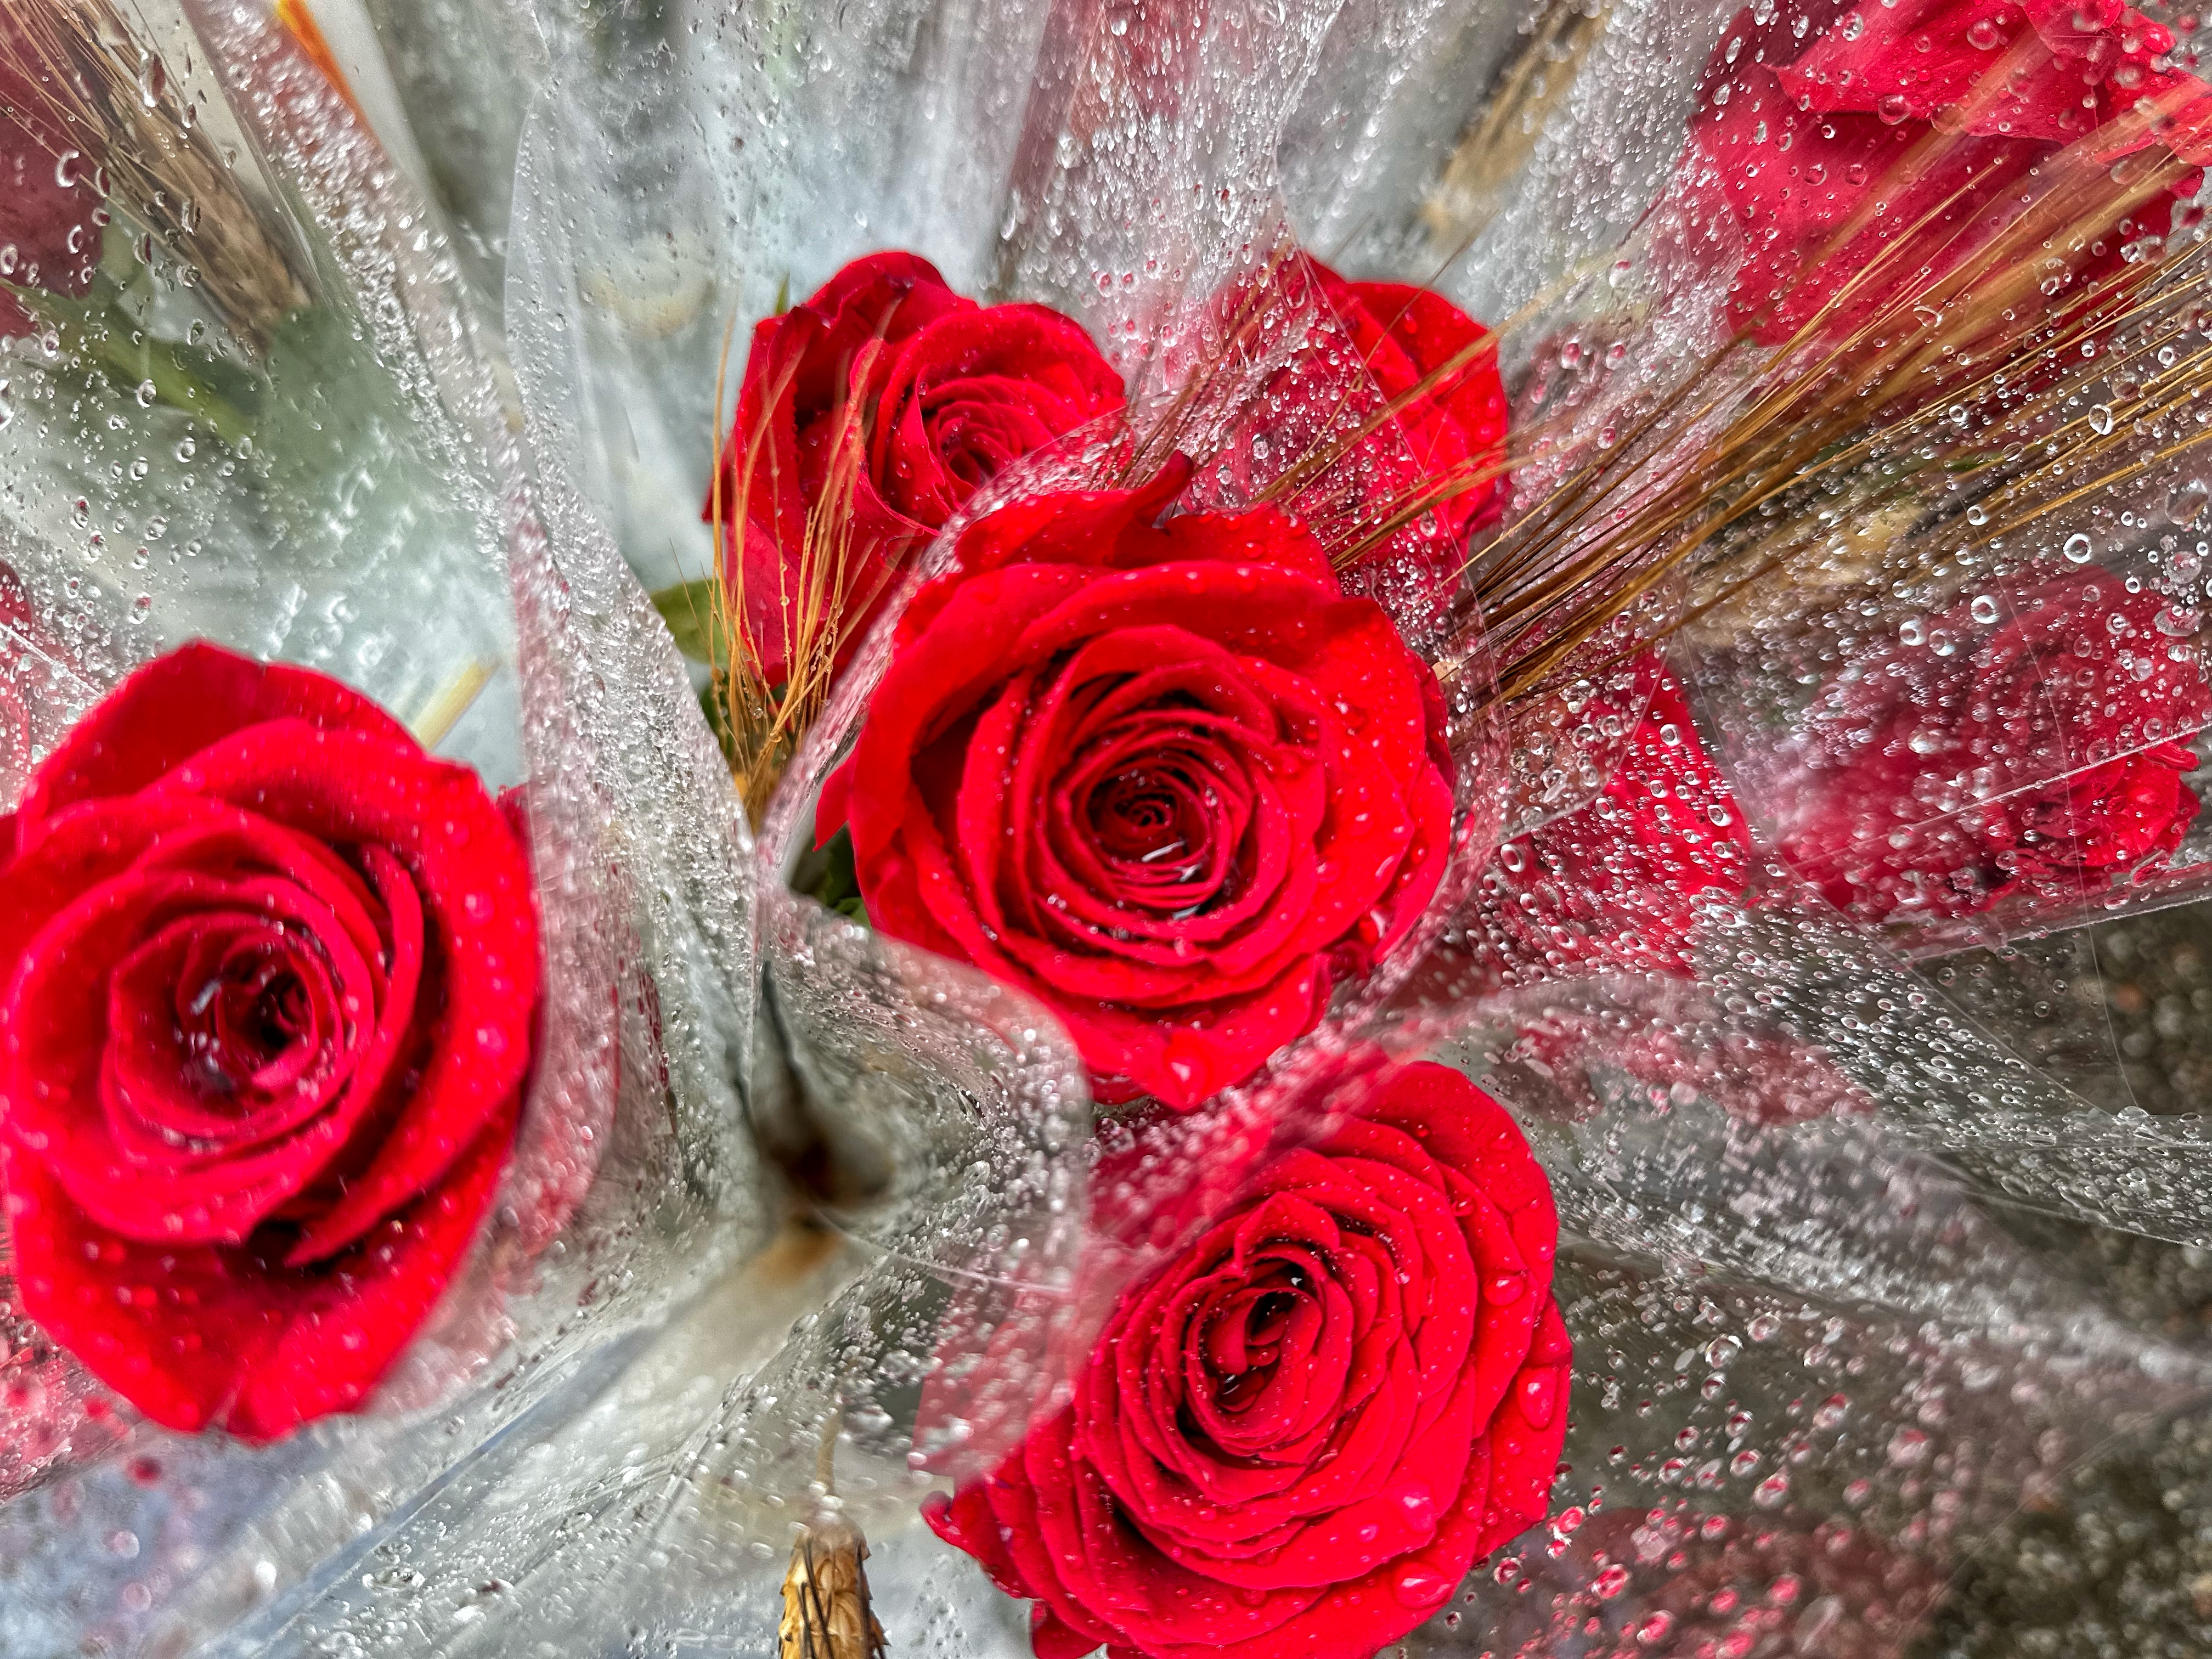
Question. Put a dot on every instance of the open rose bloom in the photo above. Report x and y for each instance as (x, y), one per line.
(1289, 829)
(344, 1052)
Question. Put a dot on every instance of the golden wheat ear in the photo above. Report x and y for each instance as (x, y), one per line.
(1946, 412)
(826, 588)
(827, 1613)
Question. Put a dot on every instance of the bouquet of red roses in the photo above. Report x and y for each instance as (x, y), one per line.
(1016, 912)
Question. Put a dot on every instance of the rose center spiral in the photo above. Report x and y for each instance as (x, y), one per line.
(1244, 1341)
(251, 1013)
(1139, 816)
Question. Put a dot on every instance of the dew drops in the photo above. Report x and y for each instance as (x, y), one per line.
(2078, 549)
(2185, 505)
(2177, 621)
(1420, 1585)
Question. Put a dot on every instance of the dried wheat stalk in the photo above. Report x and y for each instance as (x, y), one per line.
(826, 1609)
(1499, 140)
(95, 85)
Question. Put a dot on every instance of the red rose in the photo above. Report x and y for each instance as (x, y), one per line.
(1450, 407)
(1296, 1436)
(1616, 884)
(267, 975)
(2036, 754)
(1165, 779)
(49, 237)
(895, 396)
(18, 640)
(1440, 425)
(1824, 113)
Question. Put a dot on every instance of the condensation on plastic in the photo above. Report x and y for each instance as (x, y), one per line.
(1742, 1153)
(1815, 1365)
(1815, 1371)
(378, 524)
(292, 489)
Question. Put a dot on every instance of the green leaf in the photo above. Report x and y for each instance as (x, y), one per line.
(783, 295)
(100, 334)
(688, 608)
(826, 875)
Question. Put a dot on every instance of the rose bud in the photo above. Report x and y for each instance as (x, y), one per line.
(2037, 755)
(1429, 363)
(1616, 884)
(49, 237)
(1817, 115)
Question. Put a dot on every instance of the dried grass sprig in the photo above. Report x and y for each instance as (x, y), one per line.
(822, 598)
(1932, 399)
(100, 97)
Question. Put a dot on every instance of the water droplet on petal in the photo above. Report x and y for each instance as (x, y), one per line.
(1420, 1585)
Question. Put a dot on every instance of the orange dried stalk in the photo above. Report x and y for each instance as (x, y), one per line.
(1746, 468)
